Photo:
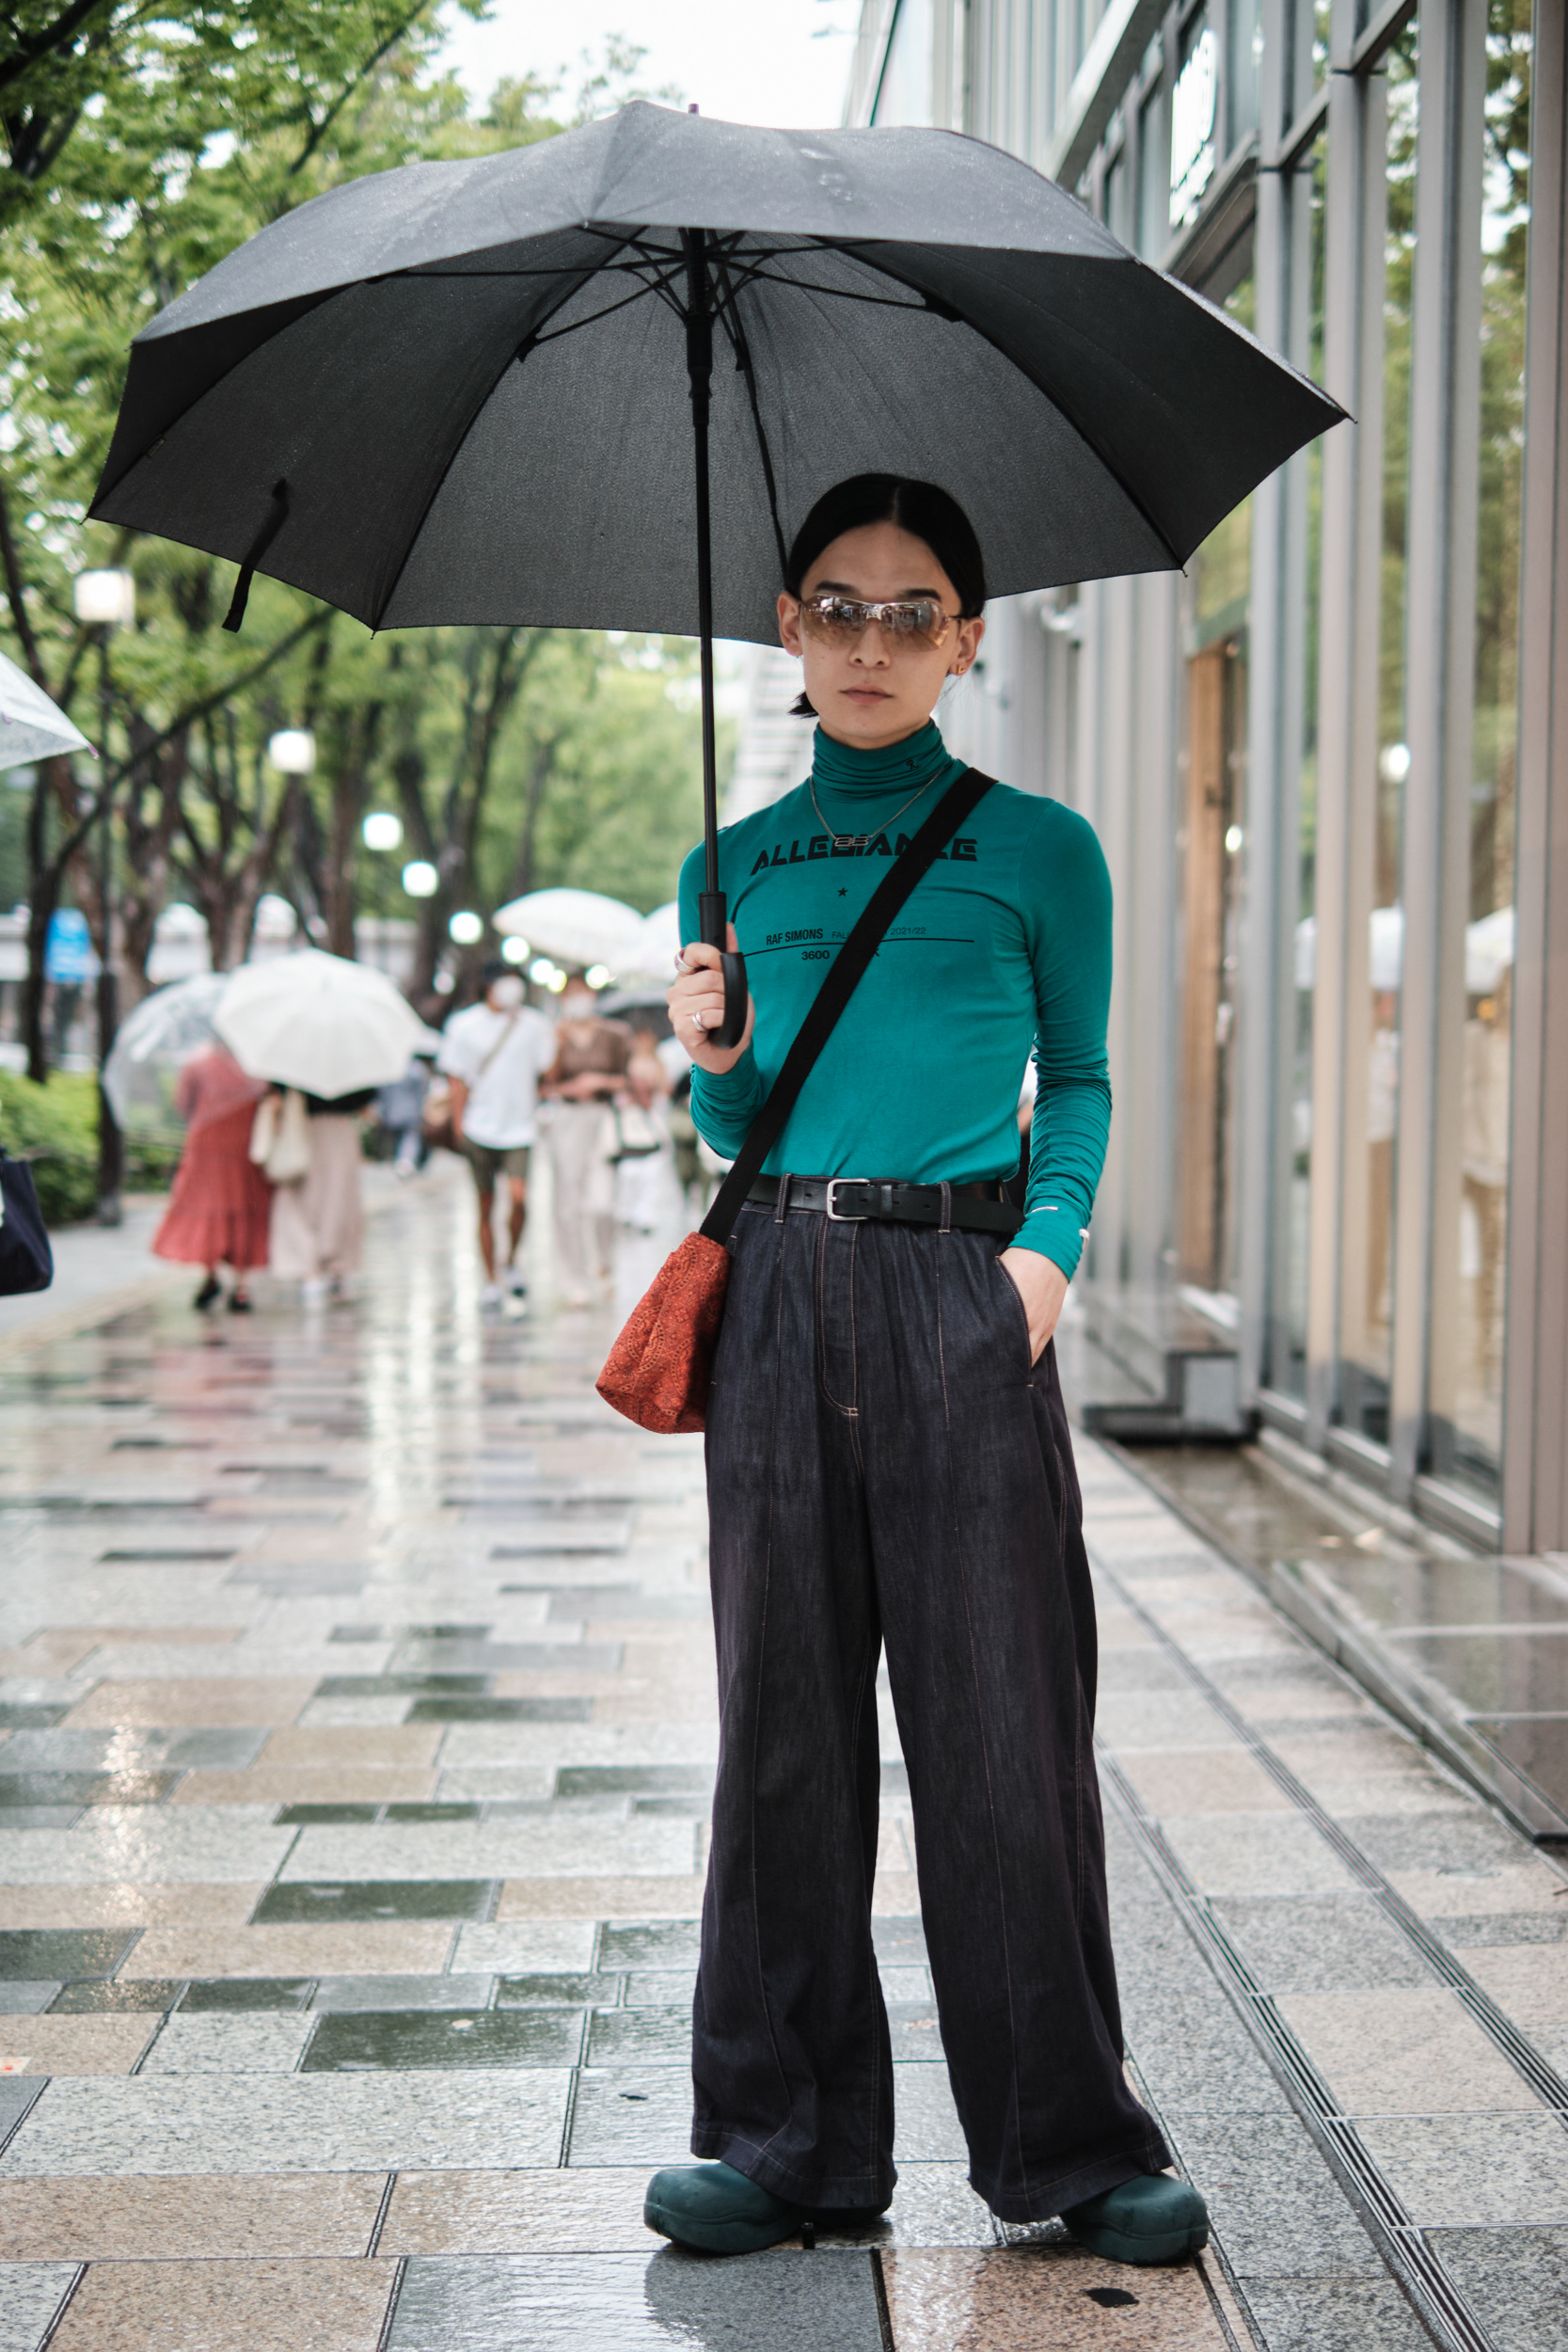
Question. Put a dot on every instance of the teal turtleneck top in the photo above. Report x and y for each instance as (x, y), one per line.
(1003, 948)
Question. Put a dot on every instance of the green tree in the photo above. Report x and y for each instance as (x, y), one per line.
(158, 144)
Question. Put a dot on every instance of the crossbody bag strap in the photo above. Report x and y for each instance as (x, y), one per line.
(844, 976)
(497, 1046)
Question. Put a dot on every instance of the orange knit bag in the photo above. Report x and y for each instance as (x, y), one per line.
(659, 1370)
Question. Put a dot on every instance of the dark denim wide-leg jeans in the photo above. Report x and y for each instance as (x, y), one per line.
(884, 1467)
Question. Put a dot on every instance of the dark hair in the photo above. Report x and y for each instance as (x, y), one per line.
(921, 508)
(495, 968)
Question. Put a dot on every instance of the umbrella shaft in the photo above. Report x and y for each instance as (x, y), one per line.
(699, 365)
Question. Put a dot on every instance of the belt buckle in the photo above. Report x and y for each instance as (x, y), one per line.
(837, 1217)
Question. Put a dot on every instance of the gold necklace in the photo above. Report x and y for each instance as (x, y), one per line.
(844, 842)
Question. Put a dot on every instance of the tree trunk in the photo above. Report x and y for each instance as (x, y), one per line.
(539, 770)
(409, 769)
(44, 875)
(147, 843)
(358, 750)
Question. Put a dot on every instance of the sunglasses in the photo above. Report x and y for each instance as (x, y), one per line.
(916, 622)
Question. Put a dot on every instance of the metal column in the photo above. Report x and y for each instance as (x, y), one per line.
(1445, 410)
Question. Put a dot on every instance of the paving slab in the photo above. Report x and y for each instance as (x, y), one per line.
(318, 1779)
(576, 2303)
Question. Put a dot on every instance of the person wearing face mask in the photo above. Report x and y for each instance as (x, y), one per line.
(589, 1068)
(493, 1055)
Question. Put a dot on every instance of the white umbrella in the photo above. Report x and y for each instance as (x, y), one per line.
(646, 977)
(1385, 948)
(662, 942)
(319, 1022)
(152, 1045)
(1488, 951)
(576, 927)
(30, 726)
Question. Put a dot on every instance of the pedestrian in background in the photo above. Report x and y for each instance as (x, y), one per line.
(587, 1072)
(318, 1222)
(492, 1055)
(400, 1109)
(222, 1204)
(649, 1205)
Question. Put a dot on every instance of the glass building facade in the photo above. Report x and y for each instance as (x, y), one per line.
(1327, 763)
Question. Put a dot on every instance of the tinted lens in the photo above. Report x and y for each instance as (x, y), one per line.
(915, 621)
(837, 619)
(842, 620)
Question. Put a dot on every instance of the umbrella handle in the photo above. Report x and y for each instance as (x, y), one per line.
(733, 1027)
(713, 923)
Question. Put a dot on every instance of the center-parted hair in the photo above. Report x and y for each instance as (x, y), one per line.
(921, 508)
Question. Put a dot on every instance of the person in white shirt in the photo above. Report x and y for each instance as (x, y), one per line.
(493, 1055)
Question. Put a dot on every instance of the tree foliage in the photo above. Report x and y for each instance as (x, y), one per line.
(140, 147)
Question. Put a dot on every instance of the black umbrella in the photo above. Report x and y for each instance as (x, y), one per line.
(470, 391)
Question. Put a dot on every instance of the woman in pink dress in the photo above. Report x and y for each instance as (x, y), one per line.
(222, 1202)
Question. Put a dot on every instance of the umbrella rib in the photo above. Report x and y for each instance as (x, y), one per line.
(843, 293)
(729, 318)
(594, 318)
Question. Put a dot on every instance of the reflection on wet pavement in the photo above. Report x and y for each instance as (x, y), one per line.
(357, 1733)
(1471, 1651)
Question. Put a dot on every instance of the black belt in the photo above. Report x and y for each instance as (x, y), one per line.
(854, 1200)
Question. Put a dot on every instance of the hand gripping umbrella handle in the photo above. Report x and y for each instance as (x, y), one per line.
(713, 922)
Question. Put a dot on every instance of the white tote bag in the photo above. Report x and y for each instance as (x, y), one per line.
(280, 1137)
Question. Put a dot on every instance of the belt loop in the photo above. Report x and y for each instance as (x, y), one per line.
(946, 1225)
(782, 1209)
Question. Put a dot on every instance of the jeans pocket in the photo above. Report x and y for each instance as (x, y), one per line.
(1018, 1312)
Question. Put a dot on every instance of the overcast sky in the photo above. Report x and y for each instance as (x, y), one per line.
(778, 61)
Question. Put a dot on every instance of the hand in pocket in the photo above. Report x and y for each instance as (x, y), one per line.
(1042, 1287)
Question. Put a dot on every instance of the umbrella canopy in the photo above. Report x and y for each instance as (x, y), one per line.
(30, 726)
(485, 391)
(319, 1022)
(472, 377)
(575, 926)
(152, 1045)
(651, 967)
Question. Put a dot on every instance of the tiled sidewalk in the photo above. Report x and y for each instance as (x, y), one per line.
(359, 1728)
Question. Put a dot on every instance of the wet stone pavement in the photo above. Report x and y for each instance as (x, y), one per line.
(356, 1731)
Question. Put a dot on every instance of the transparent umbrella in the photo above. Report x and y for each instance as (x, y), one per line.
(154, 1042)
(30, 726)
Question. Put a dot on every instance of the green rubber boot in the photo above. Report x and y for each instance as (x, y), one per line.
(717, 2210)
(1151, 2219)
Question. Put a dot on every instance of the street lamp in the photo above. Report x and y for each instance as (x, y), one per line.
(292, 751)
(466, 930)
(420, 879)
(105, 601)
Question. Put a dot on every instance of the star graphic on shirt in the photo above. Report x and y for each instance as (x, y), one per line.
(843, 893)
